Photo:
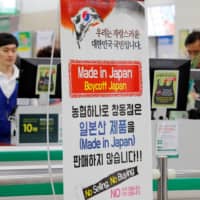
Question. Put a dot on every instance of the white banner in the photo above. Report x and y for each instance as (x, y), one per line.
(106, 101)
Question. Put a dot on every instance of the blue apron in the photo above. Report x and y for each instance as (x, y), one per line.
(7, 106)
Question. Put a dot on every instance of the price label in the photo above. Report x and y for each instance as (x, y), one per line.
(29, 128)
(33, 128)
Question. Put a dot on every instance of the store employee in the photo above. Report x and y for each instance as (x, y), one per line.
(192, 45)
(8, 84)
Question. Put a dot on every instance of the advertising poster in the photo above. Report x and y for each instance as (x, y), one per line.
(107, 151)
(165, 89)
(42, 79)
(25, 44)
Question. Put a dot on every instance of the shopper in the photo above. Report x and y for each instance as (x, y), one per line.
(47, 51)
(8, 84)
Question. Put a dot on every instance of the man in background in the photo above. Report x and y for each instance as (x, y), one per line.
(8, 84)
(192, 45)
(47, 51)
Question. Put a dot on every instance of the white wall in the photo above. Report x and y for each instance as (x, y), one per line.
(30, 6)
(39, 15)
(159, 2)
(187, 17)
(188, 14)
(45, 13)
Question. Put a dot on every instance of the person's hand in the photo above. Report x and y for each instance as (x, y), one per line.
(194, 95)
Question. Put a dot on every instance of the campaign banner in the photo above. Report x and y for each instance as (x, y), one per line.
(105, 78)
(107, 152)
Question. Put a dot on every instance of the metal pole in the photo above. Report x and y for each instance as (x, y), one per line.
(162, 193)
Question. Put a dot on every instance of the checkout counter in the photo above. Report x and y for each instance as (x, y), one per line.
(24, 168)
(30, 125)
(25, 165)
